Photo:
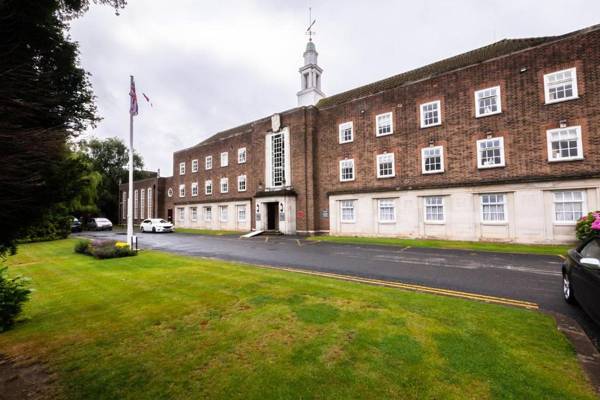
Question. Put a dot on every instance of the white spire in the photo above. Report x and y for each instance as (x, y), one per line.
(310, 74)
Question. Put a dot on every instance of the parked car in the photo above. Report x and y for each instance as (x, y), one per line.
(100, 224)
(156, 225)
(581, 277)
(75, 225)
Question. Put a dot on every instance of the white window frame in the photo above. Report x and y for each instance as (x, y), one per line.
(221, 214)
(241, 155)
(238, 208)
(341, 130)
(207, 213)
(583, 205)
(194, 188)
(422, 113)
(224, 182)
(224, 159)
(142, 203)
(135, 204)
(351, 161)
(498, 96)
(181, 214)
(182, 190)
(504, 205)
(194, 214)
(377, 124)
(443, 205)
(423, 159)
(380, 202)
(240, 179)
(150, 202)
(195, 165)
(579, 155)
(170, 192)
(343, 206)
(379, 162)
(269, 159)
(182, 168)
(573, 82)
(208, 187)
(124, 210)
(479, 158)
(208, 162)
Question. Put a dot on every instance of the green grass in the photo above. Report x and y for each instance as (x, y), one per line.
(551, 250)
(207, 232)
(160, 326)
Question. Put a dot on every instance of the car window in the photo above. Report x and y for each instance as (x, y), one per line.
(591, 250)
(146, 221)
(162, 221)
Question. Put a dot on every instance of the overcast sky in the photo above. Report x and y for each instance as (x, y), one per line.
(212, 65)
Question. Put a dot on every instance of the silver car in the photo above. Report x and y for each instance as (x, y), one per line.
(100, 224)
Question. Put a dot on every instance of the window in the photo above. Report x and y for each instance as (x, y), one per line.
(278, 160)
(194, 165)
(223, 214)
(150, 202)
(432, 159)
(241, 213)
(488, 102)
(387, 211)
(347, 210)
(242, 155)
(224, 159)
(346, 170)
(194, 214)
(384, 124)
(568, 206)
(430, 114)
(194, 188)
(493, 208)
(182, 168)
(591, 250)
(564, 144)
(224, 185)
(560, 85)
(135, 204)
(182, 190)
(124, 211)
(142, 203)
(241, 180)
(346, 132)
(208, 162)
(434, 209)
(208, 214)
(181, 214)
(490, 153)
(170, 192)
(385, 165)
(208, 187)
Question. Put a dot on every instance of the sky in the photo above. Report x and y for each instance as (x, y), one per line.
(208, 66)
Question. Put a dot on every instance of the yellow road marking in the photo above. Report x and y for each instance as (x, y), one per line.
(417, 288)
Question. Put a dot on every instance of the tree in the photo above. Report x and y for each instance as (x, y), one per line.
(45, 100)
(109, 158)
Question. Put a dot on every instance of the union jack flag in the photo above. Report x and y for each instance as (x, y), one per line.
(133, 106)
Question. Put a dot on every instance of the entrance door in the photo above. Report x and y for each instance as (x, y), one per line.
(170, 215)
(272, 216)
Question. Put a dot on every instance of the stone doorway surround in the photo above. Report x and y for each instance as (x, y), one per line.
(286, 208)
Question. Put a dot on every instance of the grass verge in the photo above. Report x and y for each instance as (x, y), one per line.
(166, 326)
(551, 250)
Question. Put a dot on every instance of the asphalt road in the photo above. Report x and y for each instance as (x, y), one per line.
(515, 276)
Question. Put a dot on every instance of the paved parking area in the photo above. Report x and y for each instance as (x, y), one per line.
(529, 278)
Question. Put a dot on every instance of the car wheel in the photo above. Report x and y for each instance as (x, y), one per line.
(153, 230)
(568, 289)
(142, 229)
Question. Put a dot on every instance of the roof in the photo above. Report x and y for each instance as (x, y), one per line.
(482, 54)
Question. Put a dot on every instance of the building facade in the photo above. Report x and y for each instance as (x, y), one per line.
(500, 143)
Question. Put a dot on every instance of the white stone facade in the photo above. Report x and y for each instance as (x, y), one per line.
(230, 216)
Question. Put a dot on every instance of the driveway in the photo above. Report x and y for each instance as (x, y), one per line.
(515, 276)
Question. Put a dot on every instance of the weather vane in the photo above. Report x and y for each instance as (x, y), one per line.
(311, 23)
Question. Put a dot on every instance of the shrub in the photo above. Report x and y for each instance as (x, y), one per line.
(13, 293)
(50, 227)
(102, 249)
(588, 225)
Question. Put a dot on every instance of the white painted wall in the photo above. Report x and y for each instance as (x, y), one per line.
(529, 208)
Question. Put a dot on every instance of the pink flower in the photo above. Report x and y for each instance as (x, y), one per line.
(596, 224)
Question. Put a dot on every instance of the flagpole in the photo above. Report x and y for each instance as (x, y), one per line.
(130, 195)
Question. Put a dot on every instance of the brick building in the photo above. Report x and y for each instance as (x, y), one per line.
(500, 143)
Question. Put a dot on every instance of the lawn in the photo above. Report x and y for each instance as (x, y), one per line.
(551, 250)
(159, 326)
(212, 232)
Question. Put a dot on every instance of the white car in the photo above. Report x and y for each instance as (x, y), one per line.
(156, 225)
(100, 224)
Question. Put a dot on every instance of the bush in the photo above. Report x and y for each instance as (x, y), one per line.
(53, 227)
(102, 249)
(13, 293)
(588, 225)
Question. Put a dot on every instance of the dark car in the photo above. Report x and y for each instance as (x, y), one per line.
(581, 277)
(75, 225)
